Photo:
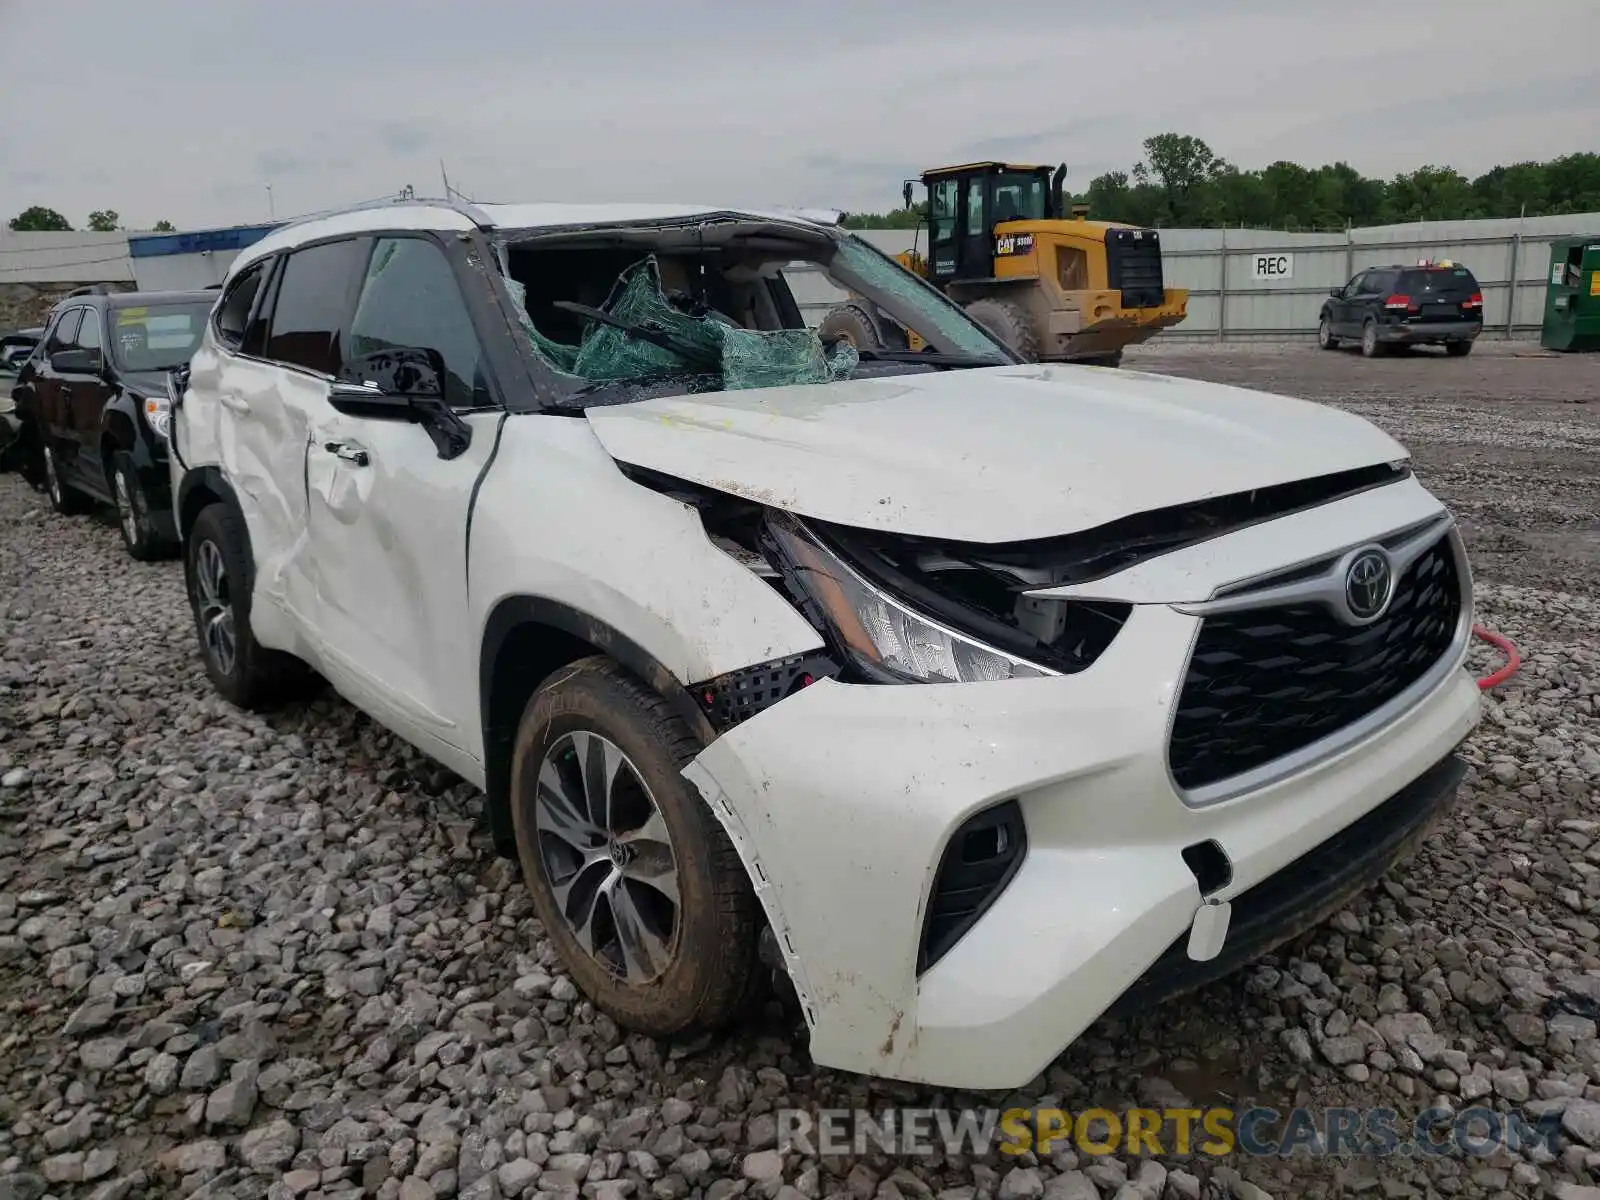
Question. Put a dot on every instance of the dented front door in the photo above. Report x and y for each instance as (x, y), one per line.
(387, 552)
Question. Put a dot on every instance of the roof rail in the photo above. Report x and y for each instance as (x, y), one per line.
(470, 211)
(818, 216)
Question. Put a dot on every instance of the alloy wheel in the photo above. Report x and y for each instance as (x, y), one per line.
(215, 606)
(607, 853)
(127, 511)
(52, 480)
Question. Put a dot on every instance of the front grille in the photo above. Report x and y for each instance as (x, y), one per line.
(1266, 682)
(1133, 264)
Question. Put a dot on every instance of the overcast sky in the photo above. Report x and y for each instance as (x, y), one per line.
(824, 102)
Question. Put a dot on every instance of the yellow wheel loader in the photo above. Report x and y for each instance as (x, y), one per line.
(1052, 287)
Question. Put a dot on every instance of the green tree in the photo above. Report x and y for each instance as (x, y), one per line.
(103, 220)
(39, 218)
(1181, 166)
(164, 227)
(1181, 181)
(1572, 184)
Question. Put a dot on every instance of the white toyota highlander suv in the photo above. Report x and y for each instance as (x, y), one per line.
(977, 698)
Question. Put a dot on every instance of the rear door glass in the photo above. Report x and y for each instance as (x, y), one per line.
(1443, 282)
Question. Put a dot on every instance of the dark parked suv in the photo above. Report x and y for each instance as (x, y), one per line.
(92, 402)
(1426, 305)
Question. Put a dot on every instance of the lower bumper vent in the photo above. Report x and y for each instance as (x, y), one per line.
(980, 860)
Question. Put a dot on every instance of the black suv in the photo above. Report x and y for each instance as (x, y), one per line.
(1425, 305)
(92, 403)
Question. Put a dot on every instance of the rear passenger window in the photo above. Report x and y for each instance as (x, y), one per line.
(410, 298)
(234, 310)
(312, 309)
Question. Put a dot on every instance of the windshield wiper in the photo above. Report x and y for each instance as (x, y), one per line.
(688, 351)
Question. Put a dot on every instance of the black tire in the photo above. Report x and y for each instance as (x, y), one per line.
(64, 498)
(1325, 337)
(1458, 349)
(713, 964)
(1114, 359)
(26, 454)
(252, 676)
(850, 323)
(1009, 322)
(134, 521)
(1371, 347)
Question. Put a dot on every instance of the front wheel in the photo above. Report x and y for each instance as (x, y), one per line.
(219, 575)
(1114, 359)
(1325, 337)
(1007, 321)
(139, 534)
(633, 878)
(1458, 349)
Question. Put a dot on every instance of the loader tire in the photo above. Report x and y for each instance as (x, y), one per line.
(1008, 322)
(850, 323)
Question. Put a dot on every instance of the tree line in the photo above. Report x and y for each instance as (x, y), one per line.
(104, 220)
(1182, 182)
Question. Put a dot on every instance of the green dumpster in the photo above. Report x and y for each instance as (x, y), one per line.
(1572, 296)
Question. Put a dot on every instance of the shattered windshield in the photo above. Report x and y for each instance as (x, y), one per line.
(730, 308)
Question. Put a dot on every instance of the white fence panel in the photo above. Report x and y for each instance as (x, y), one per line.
(1233, 295)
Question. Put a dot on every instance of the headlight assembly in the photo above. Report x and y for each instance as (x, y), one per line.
(881, 637)
(157, 411)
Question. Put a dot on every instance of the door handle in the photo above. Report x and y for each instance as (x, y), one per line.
(348, 452)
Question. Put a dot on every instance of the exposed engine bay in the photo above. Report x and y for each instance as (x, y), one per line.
(981, 591)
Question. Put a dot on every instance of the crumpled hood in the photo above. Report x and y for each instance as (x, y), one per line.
(989, 454)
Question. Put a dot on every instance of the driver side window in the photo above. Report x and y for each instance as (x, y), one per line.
(1353, 288)
(89, 334)
(410, 298)
(66, 329)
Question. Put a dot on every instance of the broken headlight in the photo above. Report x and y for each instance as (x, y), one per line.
(883, 638)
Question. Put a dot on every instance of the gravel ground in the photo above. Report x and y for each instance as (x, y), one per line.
(272, 957)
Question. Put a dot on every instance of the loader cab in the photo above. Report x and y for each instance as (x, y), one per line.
(965, 204)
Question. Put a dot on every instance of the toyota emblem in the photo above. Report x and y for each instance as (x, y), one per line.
(1367, 584)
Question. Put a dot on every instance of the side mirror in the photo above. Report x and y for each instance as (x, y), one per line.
(403, 384)
(177, 384)
(408, 372)
(370, 401)
(74, 362)
(1336, 292)
(905, 192)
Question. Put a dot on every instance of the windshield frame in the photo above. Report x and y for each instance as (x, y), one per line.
(200, 308)
(917, 302)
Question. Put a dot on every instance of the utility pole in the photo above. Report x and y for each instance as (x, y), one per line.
(272, 213)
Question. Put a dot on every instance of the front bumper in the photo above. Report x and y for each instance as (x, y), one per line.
(842, 797)
(1430, 331)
